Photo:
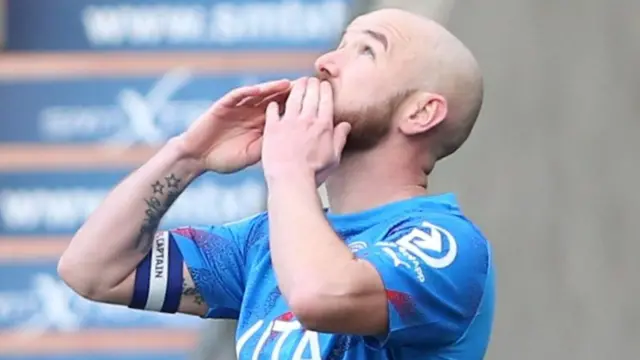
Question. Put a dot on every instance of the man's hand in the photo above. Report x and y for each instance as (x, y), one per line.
(101, 260)
(228, 136)
(304, 140)
(317, 274)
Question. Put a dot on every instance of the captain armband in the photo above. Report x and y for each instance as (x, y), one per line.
(159, 277)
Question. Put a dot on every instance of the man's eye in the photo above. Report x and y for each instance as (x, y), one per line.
(367, 50)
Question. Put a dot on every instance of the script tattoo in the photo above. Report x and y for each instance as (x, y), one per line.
(165, 192)
(190, 290)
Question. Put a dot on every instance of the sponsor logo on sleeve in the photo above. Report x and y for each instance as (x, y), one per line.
(357, 246)
(396, 259)
(427, 244)
(432, 244)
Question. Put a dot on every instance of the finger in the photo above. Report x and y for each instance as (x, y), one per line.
(273, 87)
(272, 115)
(246, 94)
(340, 135)
(267, 92)
(256, 101)
(235, 96)
(294, 102)
(311, 98)
(250, 101)
(325, 105)
(279, 98)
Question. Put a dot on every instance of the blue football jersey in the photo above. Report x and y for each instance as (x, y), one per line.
(435, 264)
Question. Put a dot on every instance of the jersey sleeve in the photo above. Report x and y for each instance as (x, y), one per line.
(215, 257)
(434, 272)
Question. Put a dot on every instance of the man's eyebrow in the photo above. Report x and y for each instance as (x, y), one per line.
(375, 35)
(379, 37)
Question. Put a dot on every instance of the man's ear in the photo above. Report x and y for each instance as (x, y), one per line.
(422, 112)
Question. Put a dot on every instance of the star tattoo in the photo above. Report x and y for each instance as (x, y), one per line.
(158, 188)
(172, 181)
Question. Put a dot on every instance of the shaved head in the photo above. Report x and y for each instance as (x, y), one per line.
(395, 70)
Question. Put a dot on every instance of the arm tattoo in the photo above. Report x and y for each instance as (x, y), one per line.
(164, 194)
(188, 290)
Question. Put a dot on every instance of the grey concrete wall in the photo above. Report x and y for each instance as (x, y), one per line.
(217, 341)
(549, 173)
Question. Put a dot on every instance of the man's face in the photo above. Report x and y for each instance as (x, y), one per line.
(366, 81)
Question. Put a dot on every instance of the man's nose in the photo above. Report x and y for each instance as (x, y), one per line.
(327, 66)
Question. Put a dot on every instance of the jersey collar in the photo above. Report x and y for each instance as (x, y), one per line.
(446, 202)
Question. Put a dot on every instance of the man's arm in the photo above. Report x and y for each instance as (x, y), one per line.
(117, 257)
(330, 289)
(102, 258)
(326, 287)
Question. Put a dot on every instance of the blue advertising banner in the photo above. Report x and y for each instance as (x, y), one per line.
(92, 356)
(41, 318)
(36, 25)
(121, 111)
(58, 202)
(34, 300)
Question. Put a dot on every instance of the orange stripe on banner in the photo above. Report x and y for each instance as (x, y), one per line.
(32, 248)
(112, 341)
(47, 157)
(73, 65)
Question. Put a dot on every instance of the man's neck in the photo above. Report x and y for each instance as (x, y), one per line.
(366, 180)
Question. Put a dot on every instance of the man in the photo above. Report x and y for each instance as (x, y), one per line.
(387, 273)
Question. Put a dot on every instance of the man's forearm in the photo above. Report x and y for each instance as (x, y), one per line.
(115, 238)
(327, 288)
(309, 258)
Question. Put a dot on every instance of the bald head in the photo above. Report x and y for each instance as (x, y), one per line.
(405, 84)
(451, 70)
(431, 59)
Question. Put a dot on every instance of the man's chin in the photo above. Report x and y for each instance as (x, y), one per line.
(340, 116)
(337, 119)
